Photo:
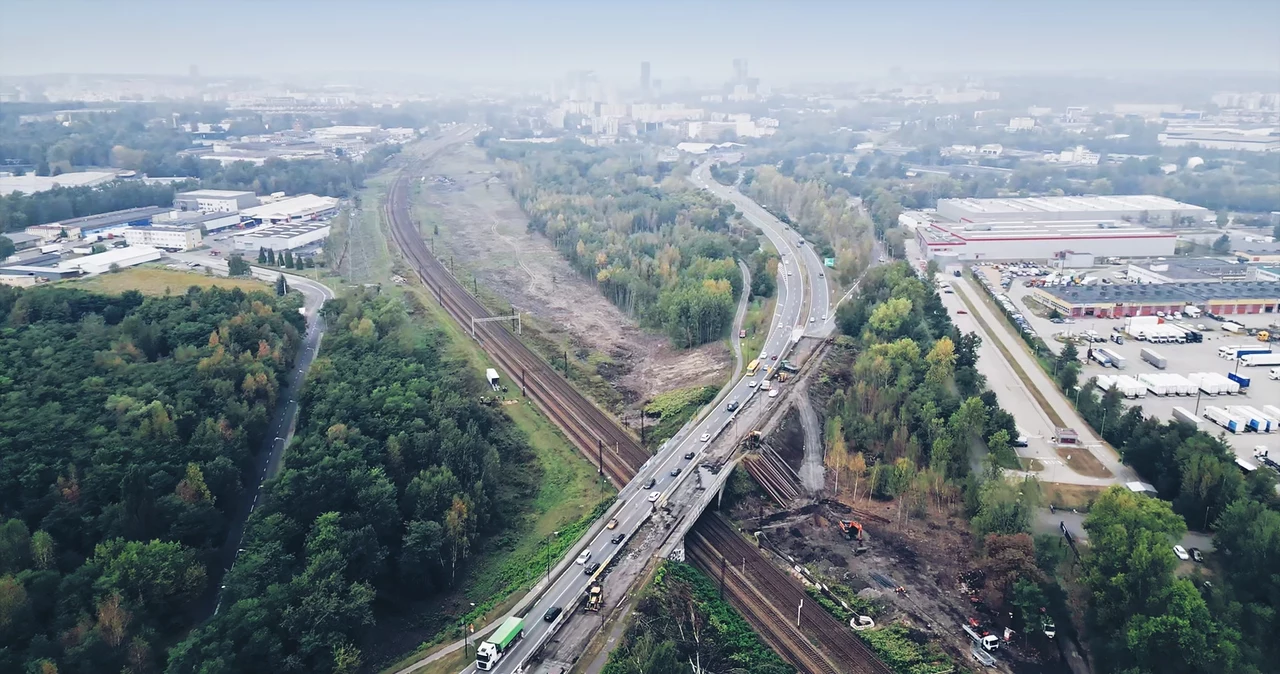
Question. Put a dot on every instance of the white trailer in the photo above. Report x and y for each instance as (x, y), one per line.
(1154, 358)
(1224, 419)
(1154, 383)
(1183, 414)
(1271, 411)
(1117, 361)
(1205, 382)
(1130, 387)
(1251, 420)
(1270, 423)
(1256, 359)
(1227, 385)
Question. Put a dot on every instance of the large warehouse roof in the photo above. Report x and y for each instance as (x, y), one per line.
(1167, 293)
(1045, 205)
(30, 184)
(1066, 230)
(293, 207)
(215, 194)
(91, 222)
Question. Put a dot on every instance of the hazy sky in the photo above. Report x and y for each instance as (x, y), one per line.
(784, 40)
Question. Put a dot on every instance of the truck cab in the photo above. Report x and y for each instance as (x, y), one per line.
(490, 652)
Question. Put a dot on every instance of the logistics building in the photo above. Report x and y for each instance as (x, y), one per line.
(215, 201)
(1037, 240)
(30, 184)
(1223, 298)
(1256, 251)
(1200, 269)
(94, 226)
(120, 257)
(293, 209)
(1140, 209)
(282, 237)
(211, 222)
(167, 237)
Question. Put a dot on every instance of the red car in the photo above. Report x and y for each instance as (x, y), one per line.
(961, 311)
(742, 334)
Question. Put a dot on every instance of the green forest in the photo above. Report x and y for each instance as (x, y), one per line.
(395, 476)
(656, 246)
(681, 617)
(127, 430)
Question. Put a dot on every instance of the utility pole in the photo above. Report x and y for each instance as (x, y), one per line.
(600, 452)
(723, 562)
(523, 391)
(798, 607)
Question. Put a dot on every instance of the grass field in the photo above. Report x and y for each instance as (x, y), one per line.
(1070, 495)
(757, 324)
(160, 281)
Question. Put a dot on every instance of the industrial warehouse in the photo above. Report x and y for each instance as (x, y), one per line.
(282, 237)
(1041, 228)
(1221, 298)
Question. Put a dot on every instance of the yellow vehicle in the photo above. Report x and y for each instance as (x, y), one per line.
(1264, 336)
(752, 367)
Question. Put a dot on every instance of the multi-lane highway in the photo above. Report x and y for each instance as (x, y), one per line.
(820, 318)
(658, 478)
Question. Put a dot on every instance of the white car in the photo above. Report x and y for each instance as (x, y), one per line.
(1181, 553)
(705, 437)
(751, 384)
(824, 317)
(654, 496)
(773, 393)
(582, 558)
(811, 319)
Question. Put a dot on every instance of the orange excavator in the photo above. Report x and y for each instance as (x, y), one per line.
(851, 529)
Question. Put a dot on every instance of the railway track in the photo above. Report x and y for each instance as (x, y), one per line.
(587, 426)
(782, 594)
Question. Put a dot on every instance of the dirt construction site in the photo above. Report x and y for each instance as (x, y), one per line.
(468, 214)
(910, 569)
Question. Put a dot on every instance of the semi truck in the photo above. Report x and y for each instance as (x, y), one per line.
(1252, 420)
(493, 648)
(1154, 358)
(1224, 419)
(1256, 359)
(1117, 361)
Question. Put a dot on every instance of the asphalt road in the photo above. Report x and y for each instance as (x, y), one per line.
(820, 317)
(787, 326)
(282, 424)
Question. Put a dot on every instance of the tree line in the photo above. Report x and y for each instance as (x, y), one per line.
(657, 247)
(126, 439)
(395, 475)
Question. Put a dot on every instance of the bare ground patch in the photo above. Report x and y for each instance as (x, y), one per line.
(473, 218)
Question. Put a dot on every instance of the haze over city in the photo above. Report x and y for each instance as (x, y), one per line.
(507, 41)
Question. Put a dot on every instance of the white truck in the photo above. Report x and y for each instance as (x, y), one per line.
(1256, 359)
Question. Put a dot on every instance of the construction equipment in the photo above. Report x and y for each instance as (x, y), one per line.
(988, 641)
(851, 529)
(595, 597)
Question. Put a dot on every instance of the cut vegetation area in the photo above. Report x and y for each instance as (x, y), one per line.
(160, 281)
(1075, 496)
(357, 248)
(480, 230)
(679, 618)
(669, 411)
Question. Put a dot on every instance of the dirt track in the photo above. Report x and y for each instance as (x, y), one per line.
(482, 226)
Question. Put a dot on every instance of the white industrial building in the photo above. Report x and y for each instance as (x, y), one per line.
(215, 201)
(30, 184)
(293, 209)
(128, 256)
(167, 237)
(282, 237)
(1140, 209)
(211, 222)
(1037, 240)
(1232, 139)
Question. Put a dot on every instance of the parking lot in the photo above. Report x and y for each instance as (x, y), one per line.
(1183, 359)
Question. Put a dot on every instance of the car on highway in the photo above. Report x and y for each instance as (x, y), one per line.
(591, 568)
(732, 406)
(675, 472)
(654, 496)
(582, 558)
(1181, 552)
(821, 275)
(613, 524)
(811, 319)
(962, 311)
(552, 613)
(824, 317)
(688, 455)
(650, 483)
(705, 437)
(617, 539)
(773, 357)
(751, 384)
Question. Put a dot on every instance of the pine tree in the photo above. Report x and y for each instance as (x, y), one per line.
(282, 287)
(288, 259)
(271, 257)
(262, 256)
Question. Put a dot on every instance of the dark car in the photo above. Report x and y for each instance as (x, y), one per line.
(650, 483)
(591, 568)
(1196, 555)
(675, 472)
(617, 539)
(551, 613)
(688, 455)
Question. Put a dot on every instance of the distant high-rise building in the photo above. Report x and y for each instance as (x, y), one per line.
(194, 71)
(739, 71)
(644, 77)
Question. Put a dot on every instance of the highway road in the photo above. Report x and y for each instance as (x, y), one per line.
(282, 424)
(821, 318)
(637, 498)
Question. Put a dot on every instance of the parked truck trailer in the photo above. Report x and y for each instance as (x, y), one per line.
(1256, 359)
(1154, 358)
(1224, 419)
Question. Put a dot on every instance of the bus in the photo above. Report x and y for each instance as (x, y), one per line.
(752, 367)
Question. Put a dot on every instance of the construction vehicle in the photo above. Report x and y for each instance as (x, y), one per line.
(1047, 624)
(988, 641)
(595, 597)
(851, 529)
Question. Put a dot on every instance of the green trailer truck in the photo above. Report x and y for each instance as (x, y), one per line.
(489, 652)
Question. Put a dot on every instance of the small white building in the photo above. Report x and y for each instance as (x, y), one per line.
(120, 257)
(167, 237)
(290, 236)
